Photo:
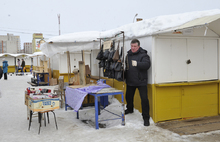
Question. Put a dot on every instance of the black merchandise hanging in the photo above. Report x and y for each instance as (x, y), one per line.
(100, 54)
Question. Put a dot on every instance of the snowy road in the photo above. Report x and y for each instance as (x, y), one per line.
(14, 123)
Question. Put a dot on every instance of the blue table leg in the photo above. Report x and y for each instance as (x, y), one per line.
(77, 114)
(38, 79)
(96, 112)
(122, 113)
(48, 80)
(65, 104)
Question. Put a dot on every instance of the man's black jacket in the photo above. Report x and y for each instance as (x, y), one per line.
(137, 75)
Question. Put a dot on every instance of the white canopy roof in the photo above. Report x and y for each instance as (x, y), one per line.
(14, 55)
(36, 54)
(164, 23)
(71, 42)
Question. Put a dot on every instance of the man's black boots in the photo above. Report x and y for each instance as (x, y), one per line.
(127, 111)
(146, 122)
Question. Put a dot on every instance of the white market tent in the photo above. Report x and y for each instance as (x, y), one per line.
(71, 42)
(37, 56)
(147, 28)
(57, 48)
(12, 62)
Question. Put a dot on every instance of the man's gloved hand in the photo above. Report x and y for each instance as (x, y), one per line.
(134, 63)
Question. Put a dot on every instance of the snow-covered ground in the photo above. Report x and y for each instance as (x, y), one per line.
(14, 123)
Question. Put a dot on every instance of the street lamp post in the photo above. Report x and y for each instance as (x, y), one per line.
(135, 16)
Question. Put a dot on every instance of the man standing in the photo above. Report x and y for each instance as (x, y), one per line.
(23, 65)
(137, 64)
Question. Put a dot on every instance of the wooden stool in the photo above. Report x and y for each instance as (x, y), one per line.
(40, 118)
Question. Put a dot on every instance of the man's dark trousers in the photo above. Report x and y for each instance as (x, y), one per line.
(144, 100)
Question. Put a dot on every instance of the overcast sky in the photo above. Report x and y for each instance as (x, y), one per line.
(25, 17)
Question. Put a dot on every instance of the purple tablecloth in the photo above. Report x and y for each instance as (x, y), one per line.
(75, 97)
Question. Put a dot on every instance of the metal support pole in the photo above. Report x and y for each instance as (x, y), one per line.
(59, 22)
(2, 47)
(123, 108)
(100, 49)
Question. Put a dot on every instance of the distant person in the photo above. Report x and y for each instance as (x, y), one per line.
(19, 63)
(19, 66)
(5, 68)
(23, 65)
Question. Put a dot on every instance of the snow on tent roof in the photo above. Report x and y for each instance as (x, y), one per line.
(78, 37)
(158, 24)
(71, 42)
(88, 40)
(36, 54)
(14, 55)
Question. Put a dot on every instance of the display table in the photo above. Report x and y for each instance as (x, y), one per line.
(101, 93)
(107, 92)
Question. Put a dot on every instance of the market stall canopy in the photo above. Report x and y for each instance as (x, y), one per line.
(36, 54)
(166, 23)
(211, 22)
(14, 55)
(71, 42)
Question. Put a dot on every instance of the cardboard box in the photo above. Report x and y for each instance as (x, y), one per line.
(53, 81)
(46, 77)
(43, 104)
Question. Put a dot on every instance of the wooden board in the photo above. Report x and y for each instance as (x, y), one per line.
(82, 73)
(39, 72)
(107, 44)
(192, 126)
(81, 86)
(32, 84)
(108, 90)
(88, 71)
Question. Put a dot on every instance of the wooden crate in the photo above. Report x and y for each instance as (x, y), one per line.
(91, 99)
(43, 104)
(45, 69)
(43, 63)
(26, 98)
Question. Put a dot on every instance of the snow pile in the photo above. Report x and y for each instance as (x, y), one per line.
(157, 24)
(14, 123)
